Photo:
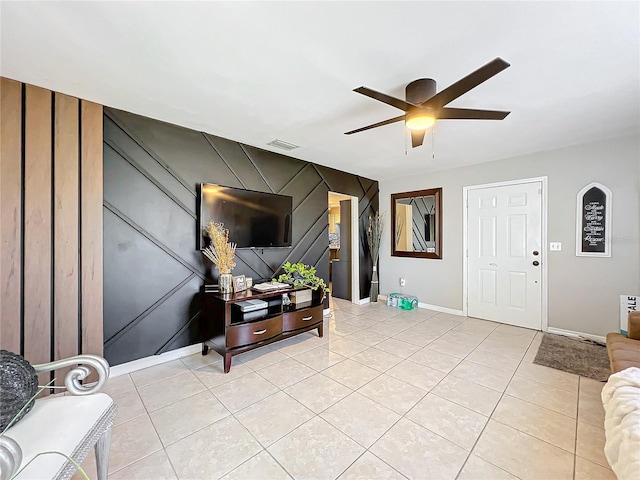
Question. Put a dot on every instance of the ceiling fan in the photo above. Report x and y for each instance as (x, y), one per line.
(423, 106)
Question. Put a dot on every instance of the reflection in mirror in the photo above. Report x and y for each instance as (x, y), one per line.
(416, 222)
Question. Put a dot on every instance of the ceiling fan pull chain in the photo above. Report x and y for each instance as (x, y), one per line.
(405, 141)
(433, 143)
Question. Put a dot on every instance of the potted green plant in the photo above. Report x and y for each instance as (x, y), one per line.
(300, 275)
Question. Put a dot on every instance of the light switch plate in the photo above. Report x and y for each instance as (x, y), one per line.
(555, 246)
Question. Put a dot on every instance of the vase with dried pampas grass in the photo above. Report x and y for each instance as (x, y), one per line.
(374, 236)
(221, 252)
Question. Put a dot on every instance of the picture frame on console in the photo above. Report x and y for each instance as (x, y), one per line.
(239, 283)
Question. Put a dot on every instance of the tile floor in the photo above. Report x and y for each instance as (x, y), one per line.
(386, 394)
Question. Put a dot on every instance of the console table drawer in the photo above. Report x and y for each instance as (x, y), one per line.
(301, 318)
(248, 333)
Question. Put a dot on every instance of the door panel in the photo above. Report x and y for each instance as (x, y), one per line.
(488, 287)
(518, 290)
(517, 236)
(504, 228)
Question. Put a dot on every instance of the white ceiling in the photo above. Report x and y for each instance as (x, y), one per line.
(257, 71)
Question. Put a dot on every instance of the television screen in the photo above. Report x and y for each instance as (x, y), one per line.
(254, 219)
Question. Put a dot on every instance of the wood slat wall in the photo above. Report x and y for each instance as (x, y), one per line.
(10, 214)
(51, 219)
(37, 225)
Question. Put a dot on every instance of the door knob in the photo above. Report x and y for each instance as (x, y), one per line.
(536, 263)
(535, 252)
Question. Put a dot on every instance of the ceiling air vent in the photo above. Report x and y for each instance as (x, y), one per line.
(283, 145)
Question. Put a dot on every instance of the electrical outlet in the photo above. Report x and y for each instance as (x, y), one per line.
(402, 282)
(555, 246)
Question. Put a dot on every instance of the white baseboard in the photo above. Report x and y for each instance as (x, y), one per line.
(438, 308)
(326, 312)
(154, 360)
(571, 333)
(364, 301)
(435, 308)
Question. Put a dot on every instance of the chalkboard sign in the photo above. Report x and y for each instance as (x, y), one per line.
(593, 235)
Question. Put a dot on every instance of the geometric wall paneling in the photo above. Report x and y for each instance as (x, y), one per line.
(145, 162)
(114, 136)
(51, 223)
(314, 243)
(138, 273)
(367, 184)
(302, 184)
(277, 170)
(243, 169)
(147, 207)
(168, 144)
(152, 332)
(308, 214)
(367, 192)
(256, 262)
(370, 196)
(186, 304)
(340, 183)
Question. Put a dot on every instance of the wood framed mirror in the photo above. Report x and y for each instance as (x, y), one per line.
(416, 224)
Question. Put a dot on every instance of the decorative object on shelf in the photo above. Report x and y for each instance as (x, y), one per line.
(221, 252)
(18, 385)
(301, 297)
(300, 275)
(593, 221)
(374, 235)
(239, 283)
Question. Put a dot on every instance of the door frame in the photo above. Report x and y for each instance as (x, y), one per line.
(544, 307)
(355, 247)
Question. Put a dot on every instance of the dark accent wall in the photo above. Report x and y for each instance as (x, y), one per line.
(153, 272)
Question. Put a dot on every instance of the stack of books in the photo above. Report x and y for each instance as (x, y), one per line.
(211, 288)
(270, 286)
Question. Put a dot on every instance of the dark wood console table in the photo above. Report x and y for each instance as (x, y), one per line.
(232, 334)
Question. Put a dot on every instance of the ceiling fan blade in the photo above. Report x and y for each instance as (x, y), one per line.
(465, 84)
(379, 124)
(384, 98)
(417, 137)
(448, 113)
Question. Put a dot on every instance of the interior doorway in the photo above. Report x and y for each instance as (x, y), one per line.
(344, 238)
(505, 261)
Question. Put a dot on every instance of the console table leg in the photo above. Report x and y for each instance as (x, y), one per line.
(320, 329)
(205, 348)
(227, 362)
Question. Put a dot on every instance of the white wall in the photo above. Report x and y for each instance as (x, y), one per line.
(583, 292)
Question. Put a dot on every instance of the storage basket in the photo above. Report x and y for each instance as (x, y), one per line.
(18, 384)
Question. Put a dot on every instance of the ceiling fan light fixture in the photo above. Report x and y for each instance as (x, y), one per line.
(419, 120)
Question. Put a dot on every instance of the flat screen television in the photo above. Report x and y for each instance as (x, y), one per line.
(254, 219)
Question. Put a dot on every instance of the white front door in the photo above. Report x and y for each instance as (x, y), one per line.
(504, 239)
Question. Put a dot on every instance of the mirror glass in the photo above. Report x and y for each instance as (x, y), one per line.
(416, 220)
